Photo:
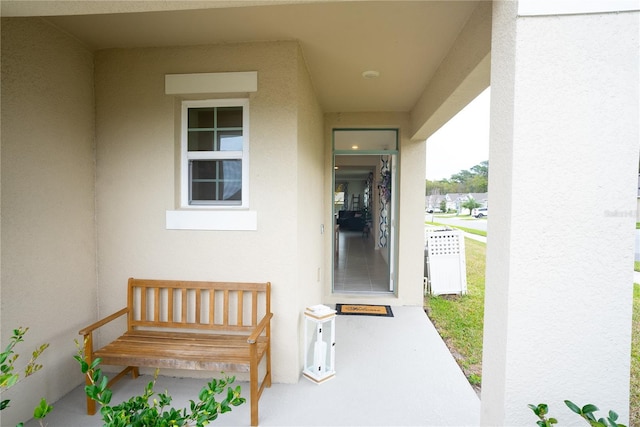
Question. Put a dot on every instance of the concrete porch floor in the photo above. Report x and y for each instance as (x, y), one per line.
(391, 371)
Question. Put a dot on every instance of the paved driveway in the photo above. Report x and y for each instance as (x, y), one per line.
(467, 222)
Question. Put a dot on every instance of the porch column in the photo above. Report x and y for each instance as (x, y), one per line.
(563, 174)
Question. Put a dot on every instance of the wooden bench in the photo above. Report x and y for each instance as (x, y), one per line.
(191, 325)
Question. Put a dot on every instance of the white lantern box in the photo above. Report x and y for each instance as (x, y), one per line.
(320, 343)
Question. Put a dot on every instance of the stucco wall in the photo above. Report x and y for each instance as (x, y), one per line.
(48, 231)
(410, 211)
(311, 203)
(310, 200)
(559, 283)
(137, 155)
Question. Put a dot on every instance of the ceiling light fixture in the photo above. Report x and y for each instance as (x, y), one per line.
(371, 74)
(354, 147)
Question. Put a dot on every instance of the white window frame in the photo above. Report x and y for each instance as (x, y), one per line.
(187, 156)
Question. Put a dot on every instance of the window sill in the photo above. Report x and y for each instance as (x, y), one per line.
(212, 220)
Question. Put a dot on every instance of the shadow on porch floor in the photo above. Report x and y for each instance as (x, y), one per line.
(391, 371)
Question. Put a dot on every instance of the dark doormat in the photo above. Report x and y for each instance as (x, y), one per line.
(364, 310)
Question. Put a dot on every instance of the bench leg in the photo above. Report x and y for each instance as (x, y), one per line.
(91, 406)
(267, 378)
(254, 395)
(88, 357)
(253, 381)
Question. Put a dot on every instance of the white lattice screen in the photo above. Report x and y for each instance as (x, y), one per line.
(445, 262)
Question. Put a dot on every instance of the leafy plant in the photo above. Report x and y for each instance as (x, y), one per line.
(541, 412)
(138, 412)
(587, 412)
(9, 377)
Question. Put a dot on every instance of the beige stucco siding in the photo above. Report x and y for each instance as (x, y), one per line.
(48, 231)
(137, 178)
(561, 112)
(312, 233)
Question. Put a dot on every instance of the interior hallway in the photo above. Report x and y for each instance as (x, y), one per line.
(359, 267)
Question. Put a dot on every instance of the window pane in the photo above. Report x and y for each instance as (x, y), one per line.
(230, 140)
(203, 170)
(216, 180)
(202, 191)
(229, 117)
(201, 140)
(201, 117)
(353, 140)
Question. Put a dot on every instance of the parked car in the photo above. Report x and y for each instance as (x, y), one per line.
(481, 212)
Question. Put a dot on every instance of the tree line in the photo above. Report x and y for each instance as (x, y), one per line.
(473, 180)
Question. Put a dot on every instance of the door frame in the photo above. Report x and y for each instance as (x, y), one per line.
(393, 214)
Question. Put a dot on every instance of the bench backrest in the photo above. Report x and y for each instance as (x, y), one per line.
(219, 306)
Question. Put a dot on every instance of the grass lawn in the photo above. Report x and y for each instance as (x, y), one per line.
(467, 230)
(459, 320)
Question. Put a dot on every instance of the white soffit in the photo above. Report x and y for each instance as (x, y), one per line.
(237, 82)
(574, 7)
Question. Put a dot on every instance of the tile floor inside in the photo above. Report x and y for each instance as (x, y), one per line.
(359, 266)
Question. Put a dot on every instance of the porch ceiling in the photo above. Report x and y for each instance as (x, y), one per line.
(405, 41)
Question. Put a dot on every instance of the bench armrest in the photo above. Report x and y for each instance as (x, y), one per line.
(96, 325)
(259, 328)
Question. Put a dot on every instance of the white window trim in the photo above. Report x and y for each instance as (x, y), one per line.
(211, 217)
(197, 83)
(185, 156)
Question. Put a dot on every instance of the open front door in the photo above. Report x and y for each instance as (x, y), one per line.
(393, 224)
(364, 183)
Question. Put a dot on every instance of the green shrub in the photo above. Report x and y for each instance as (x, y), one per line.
(9, 377)
(587, 412)
(138, 412)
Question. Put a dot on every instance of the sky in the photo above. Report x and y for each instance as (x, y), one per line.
(462, 142)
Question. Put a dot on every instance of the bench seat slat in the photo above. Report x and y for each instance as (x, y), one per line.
(207, 349)
(180, 351)
(179, 325)
(241, 339)
(172, 363)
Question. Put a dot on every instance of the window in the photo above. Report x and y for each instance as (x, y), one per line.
(215, 147)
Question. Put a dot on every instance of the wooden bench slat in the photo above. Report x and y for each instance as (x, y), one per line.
(240, 311)
(182, 284)
(156, 304)
(186, 335)
(225, 312)
(171, 363)
(212, 307)
(194, 326)
(254, 308)
(170, 306)
(183, 314)
(202, 352)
